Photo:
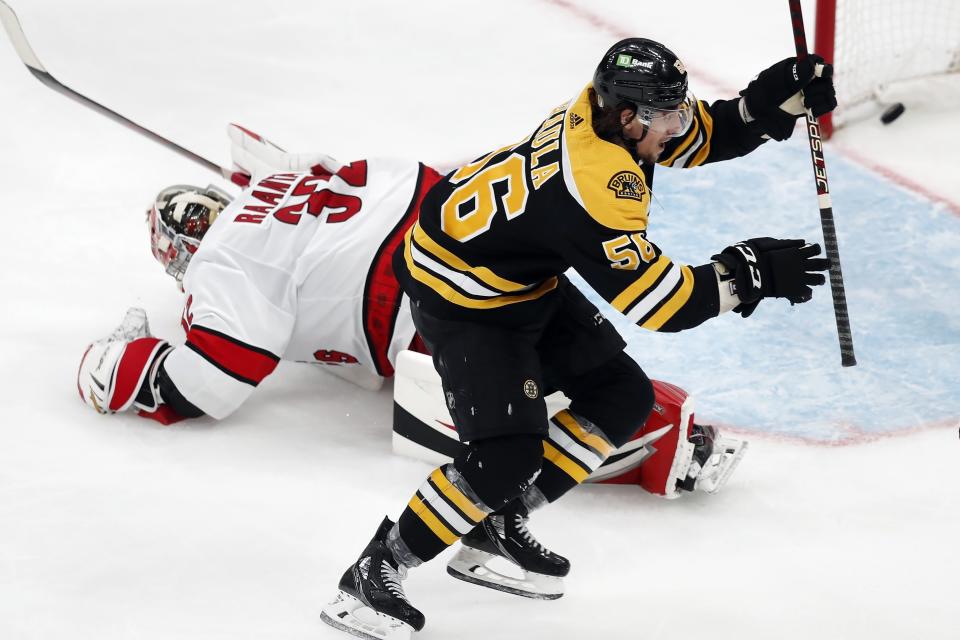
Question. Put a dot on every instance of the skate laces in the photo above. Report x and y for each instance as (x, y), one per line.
(392, 579)
(521, 524)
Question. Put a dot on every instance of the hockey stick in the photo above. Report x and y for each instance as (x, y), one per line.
(847, 358)
(12, 26)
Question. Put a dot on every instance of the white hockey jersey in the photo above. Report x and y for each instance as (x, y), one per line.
(298, 267)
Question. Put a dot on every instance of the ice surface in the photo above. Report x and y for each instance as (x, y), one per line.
(112, 528)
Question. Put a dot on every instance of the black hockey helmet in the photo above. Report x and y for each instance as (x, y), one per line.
(651, 79)
(642, 72)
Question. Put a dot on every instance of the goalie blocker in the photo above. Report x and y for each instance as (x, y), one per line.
(657, 458)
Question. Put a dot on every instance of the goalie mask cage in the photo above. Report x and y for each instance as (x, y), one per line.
(889, 51)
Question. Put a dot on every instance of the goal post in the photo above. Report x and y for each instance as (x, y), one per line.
(823, 40)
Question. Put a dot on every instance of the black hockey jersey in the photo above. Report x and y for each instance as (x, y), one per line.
(495, 234)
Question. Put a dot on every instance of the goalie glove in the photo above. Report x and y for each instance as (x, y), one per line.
(119, 372)
(258, 157)
(780, 94)
(770, 268)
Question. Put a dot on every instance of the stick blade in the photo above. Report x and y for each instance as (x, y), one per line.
(12, 26)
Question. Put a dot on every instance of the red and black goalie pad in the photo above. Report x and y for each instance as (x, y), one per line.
(237, 359)
(654, 473)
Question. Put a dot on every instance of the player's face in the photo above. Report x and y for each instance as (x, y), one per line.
(652, 143)
(655, 126)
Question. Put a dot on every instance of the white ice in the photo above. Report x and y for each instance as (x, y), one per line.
(841, 523)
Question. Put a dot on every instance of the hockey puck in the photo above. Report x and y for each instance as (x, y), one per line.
(892, 112)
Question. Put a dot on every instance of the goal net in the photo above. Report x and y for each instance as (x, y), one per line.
(889, 51)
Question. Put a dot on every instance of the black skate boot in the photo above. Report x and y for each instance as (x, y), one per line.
(371, 602)
(504, 534)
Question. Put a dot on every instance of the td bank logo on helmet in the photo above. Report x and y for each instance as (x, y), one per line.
(627, 184)
(626, 60)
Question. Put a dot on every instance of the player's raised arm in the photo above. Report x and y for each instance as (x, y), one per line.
(767, 108)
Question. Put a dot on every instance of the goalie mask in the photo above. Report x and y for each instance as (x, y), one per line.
(178, 220)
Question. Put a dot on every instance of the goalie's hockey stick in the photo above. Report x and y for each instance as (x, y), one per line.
(847, 358)
(12, 26)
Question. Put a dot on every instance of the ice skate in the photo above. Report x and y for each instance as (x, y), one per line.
(714, 459)
(504, 534)
(371, 602)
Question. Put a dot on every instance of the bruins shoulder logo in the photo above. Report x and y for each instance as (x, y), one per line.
(627, 184)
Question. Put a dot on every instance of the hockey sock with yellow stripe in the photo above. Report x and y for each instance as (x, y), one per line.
(442, 510)
(573, 449)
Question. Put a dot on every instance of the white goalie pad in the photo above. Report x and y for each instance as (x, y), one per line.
(422, 426)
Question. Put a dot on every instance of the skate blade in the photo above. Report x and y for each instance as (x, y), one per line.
(470, 565)
(729, 453)
(347, 613)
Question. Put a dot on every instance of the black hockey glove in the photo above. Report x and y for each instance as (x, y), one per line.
(771, 268)
(773, 100)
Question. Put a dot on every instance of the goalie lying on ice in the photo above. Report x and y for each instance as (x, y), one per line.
(298, 268)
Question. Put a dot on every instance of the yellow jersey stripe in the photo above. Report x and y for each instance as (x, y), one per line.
(456, 496)
(450, 294)
(484, 274)
(679, 151)
(439, 529)
(641, 284)
(592, 440)
(569, 467)
(708, 129)
(674, 304)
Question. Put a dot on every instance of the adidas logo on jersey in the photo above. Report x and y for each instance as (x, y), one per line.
(627, 184)
(575, 120)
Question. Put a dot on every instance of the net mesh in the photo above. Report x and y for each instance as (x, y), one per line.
(894, 51)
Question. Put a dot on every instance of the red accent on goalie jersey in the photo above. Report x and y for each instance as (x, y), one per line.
(382, 292)
(328, 356)
(354, 174)
(131, 370)
(186, 318)
(238, 360)
(319, 201)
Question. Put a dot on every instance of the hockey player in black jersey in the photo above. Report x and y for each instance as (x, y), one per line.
(484, 268)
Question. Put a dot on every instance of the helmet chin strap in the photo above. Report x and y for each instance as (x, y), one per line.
(628, 139)
(633, 142)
